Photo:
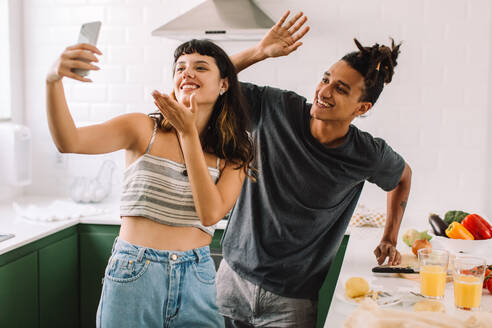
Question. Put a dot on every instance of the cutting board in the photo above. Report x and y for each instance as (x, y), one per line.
(409, 260)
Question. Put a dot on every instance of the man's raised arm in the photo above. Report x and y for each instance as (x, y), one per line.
(280, 40)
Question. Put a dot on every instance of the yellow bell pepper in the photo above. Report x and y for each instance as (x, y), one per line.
(457, 231)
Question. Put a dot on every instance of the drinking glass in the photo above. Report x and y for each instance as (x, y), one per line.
(433, 266)
(468, 274)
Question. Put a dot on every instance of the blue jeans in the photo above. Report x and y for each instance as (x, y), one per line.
(244, 304)
(145, 287)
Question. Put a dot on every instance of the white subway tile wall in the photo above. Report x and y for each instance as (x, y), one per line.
(435, 112)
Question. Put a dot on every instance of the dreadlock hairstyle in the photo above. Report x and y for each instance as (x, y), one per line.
(225, 135)
(376, 64)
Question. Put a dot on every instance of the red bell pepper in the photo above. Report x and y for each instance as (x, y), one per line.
(486, 223)
(474, 224)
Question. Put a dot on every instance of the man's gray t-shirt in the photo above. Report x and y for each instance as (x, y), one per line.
(286, 228)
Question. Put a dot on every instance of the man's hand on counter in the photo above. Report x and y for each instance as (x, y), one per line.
(385, 250)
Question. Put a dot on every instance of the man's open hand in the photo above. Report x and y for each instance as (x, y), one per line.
(283, 38)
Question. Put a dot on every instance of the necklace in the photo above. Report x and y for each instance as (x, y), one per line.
(184, 172)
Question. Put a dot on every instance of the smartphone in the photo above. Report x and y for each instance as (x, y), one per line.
(89, 32)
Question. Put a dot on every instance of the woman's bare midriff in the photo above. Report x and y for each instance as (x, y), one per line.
(141, 231)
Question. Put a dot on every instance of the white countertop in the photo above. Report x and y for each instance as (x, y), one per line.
(27, 231)
(358, 262)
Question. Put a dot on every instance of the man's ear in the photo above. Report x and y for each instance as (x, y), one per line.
(363, 108)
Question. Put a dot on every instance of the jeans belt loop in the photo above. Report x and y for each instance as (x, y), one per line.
(198, 255)
(114, 244)
(141, 253)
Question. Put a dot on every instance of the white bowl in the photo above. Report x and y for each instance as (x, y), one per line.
(482, 248)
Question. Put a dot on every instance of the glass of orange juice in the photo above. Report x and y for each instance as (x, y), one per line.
(468, 274)
(433, 267)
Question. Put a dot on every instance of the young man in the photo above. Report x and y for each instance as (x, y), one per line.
(312, 164)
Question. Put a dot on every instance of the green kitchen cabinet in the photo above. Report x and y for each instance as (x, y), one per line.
(326, 291)
(95, 244)
(58, 284)
(19, 292)
(38, 283)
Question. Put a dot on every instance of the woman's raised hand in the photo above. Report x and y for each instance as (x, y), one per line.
(79, 56)
(283, 38)
(181, 117)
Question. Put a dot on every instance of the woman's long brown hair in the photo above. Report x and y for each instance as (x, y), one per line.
(226, 133)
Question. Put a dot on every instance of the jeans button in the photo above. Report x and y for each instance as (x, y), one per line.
(174, 257)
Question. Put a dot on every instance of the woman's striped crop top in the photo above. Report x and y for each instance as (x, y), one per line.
(155, 188)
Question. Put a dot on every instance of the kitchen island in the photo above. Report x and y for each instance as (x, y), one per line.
(358, 262)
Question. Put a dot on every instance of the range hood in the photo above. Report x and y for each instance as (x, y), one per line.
(227, 20)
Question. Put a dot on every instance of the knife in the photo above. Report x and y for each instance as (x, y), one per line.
(388, 269)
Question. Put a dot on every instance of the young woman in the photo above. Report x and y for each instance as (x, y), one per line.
(185, 166)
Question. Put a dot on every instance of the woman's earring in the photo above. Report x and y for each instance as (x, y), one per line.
(221, 92)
